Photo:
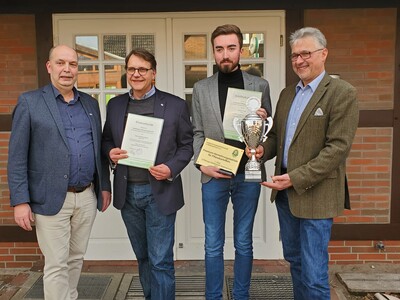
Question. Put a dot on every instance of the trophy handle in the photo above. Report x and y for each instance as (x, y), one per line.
(268, 125)
(238, 127)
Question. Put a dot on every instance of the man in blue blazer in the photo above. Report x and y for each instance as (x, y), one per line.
(149, 198)
(56, 173)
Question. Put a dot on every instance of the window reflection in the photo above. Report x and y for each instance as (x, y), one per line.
(88, 76)
(114, 47)
(145, 41)
(195, 47)
(114, 76)
(253, 45)
(194, 73)
(87, 47)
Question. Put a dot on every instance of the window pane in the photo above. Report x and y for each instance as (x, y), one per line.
(114, 76)
(145, 41)
(253, 45)
(253, 69)
(87, 47)
(88, 76)
(195, 46)
(114, 47)
(194, 73)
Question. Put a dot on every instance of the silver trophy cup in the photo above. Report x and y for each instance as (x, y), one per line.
(253, 130)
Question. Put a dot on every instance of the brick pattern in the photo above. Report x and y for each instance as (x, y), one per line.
(361, 44)
(361, 50)
(359, 252)
(18, 73)
(19, 255)
(369, 168)
(17, 58)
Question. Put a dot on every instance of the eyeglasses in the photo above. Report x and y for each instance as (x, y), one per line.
(141, 71)
(303, 55)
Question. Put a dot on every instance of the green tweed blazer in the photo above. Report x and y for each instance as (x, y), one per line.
(317, 155)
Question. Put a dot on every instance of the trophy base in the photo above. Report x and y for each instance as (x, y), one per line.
(252, 176)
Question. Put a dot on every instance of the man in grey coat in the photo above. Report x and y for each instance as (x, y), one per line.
(209, 100)
(56, 174)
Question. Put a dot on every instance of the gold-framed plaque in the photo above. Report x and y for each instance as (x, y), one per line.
(223, 156)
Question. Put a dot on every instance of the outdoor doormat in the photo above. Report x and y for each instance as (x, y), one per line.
(266, 287)
(91, 287)
(186, 287)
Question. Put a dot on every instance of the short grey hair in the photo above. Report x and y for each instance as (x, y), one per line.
(315, 33)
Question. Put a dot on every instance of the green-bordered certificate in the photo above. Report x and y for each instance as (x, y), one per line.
(236, 108)
(141, 139)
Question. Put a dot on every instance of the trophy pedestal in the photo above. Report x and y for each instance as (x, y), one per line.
(252, 176)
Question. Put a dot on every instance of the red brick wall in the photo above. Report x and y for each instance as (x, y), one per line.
(19, 255)
(359, 252)
(17, 74)
(369, 174)
(361, 50)
(361, 44)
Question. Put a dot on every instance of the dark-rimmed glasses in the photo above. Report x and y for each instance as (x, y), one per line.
(141, 71)
(303, 54)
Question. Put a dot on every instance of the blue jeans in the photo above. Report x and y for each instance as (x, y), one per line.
(244, 197)
(152, 237)
(305, 247)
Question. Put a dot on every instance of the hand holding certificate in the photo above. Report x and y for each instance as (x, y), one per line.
(141, 139)
(220, 155)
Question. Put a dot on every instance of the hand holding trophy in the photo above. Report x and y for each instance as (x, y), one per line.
(253, 130)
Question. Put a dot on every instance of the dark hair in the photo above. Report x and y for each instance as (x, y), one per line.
(225, 30)
(143, 54)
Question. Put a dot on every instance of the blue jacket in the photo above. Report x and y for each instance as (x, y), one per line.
(38, 159)
(175, 148)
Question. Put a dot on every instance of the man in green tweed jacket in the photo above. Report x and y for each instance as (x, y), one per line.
(314, 126)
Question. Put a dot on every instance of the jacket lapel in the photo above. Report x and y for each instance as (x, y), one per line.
(120, 122)
(48, 96)
(284, 112)
(248, 82)
(159, 105)
(213, 98)
(316, 97)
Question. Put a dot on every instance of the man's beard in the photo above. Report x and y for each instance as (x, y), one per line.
(227, 68)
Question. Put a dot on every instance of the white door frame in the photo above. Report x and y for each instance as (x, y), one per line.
(108, 239)
(190, 242)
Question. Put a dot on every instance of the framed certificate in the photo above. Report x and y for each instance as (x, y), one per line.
(237, 107)
(217, 154)
(141, 139)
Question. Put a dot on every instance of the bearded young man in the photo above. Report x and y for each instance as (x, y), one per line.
(209, 99)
